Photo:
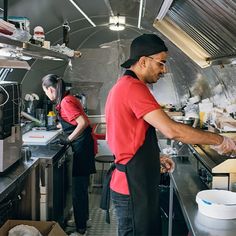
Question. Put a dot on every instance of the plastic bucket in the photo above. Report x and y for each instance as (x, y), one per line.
(220, 204)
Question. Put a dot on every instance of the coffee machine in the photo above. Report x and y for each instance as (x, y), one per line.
(10, 129)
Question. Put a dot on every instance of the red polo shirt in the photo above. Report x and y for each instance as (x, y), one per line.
(128, 101)
(70, 109)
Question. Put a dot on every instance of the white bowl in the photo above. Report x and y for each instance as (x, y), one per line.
(220, 204)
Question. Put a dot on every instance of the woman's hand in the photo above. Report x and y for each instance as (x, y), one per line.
(167, 164)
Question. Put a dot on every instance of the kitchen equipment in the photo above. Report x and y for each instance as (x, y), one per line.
(26, 154)
(216, 171)
(55, 181)
(40, 115)
(218, 204)
(186, 120)
(10, 95)
(10, 130)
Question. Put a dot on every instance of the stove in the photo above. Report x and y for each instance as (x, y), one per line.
(216, 171)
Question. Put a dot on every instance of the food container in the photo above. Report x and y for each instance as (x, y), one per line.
(219, 204)
(185, 120)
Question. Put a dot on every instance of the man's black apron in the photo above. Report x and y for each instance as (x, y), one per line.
(83, 150)
(143, 176)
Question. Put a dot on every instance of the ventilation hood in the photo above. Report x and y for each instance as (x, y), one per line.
(205, 30)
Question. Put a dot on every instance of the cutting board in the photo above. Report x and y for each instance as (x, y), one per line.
(39, 137)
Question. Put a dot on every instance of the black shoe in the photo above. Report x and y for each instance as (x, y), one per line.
(81, 231)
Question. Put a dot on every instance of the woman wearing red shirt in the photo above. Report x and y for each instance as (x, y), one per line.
(76, 127)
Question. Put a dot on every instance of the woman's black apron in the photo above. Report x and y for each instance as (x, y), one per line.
(143, 176)
(83, 150)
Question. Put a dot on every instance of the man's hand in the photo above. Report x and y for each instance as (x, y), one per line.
(167, 164)
(227, 147)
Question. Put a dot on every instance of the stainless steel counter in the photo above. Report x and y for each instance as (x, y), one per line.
(186, 183)
(55, 164)
(50, 160)
(14, 175)
(50, 152)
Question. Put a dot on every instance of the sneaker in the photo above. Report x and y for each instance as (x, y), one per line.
(79, 233)
(71, 223)
(89, 223)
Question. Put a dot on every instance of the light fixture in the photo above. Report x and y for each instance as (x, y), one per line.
(140, 13)
(117, 23)
(80, 10)
(164, 9)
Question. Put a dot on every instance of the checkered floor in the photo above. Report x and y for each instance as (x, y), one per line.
(98, 225)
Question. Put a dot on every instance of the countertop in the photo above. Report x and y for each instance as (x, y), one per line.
(14, 175)
(49, 152)
(187, 184)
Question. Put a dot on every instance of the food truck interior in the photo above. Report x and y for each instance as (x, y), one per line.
(85, 42)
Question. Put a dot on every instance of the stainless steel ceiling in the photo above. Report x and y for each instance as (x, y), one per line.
(212, 24)
(51, 14)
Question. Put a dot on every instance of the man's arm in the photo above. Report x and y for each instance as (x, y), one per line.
(181, 132)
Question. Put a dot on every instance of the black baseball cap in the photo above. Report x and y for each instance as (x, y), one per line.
(144, 45)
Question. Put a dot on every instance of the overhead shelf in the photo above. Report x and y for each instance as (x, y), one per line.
(34, 51)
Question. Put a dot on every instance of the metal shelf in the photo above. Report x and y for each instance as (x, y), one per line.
(34, 51)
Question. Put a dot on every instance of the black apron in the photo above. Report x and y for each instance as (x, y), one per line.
(83, 150)
(143, 176)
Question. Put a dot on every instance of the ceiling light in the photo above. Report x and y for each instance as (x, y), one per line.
(164, 9)
(117, 23)
(140, 13)
(79, 9)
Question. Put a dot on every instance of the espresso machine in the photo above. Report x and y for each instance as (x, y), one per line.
(10, 129)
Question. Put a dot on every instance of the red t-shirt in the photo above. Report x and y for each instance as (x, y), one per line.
(128, 101)
(70, 109)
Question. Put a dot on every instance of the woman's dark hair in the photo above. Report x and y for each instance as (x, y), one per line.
(52, 80)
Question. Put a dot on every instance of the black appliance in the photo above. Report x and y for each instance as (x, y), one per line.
(10, 129)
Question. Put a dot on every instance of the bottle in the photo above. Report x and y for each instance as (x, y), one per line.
(51, 118)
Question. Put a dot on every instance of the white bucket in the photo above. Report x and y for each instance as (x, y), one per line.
(220, 204)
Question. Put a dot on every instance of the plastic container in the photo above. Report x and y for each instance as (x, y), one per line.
(219, 204)
(51, 118)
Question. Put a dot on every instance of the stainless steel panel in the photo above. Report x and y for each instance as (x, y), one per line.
(10, 149)
(210, 23)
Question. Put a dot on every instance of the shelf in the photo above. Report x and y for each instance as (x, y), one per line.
(34, 51)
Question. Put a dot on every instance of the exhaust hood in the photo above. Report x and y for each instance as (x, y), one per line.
(183, 41)
(203, 29)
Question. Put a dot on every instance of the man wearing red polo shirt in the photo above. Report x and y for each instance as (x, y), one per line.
(132, 114)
